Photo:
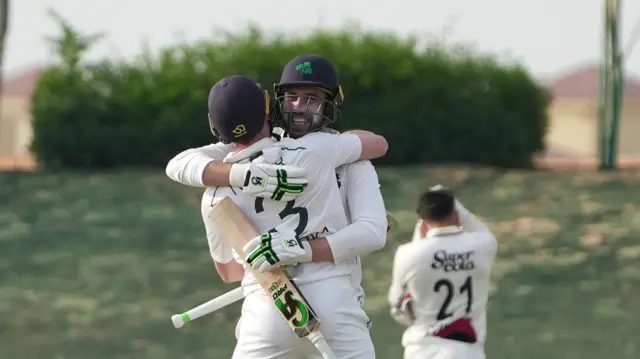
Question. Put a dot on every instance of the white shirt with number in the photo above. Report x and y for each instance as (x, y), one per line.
(317, 212)
(448, 274)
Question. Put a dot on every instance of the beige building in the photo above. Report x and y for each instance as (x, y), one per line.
(573, 115)
(15, 109)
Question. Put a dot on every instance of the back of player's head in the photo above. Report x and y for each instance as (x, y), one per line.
(436, 204)
(237, 109)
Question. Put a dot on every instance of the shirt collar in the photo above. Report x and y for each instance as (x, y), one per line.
(444, 231)
(235, 157)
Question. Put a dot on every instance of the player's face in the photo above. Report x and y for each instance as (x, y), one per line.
(307, 103)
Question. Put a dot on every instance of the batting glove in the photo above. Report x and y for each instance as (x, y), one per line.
(402, 312)
(276, 182)
(277, 249)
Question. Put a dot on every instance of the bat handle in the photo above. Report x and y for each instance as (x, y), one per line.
(177, 320)
(321, 344)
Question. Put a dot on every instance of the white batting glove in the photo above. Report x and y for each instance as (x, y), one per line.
(277, 249)
(276, 182)
(402, 312)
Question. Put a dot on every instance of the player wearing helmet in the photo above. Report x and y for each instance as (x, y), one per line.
(308, 98)
(296, 235)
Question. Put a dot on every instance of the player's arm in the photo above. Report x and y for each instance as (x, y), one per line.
(222, 253)
(398, 276)
(347, 147)
(400, 300)
(416, 231)
(371, 145)
(368, 229)
(468, 221)
(230, 272)
(201, 166)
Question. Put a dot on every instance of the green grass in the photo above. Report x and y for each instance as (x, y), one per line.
(93, 265)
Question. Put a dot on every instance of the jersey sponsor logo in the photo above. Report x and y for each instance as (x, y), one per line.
(452, 261)
(312, 236)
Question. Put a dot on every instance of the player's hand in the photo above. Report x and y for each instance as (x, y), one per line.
(276, 182)
(277, 249)
(403, 311)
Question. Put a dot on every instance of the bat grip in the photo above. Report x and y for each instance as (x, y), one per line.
(321, 344)
(211, 306)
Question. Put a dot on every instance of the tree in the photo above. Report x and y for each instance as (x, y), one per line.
(71, 44)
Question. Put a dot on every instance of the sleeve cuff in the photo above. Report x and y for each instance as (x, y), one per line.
(338, 244)
(355, 240)
(197, 175)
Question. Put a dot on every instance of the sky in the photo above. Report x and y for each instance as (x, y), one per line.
(547, 36)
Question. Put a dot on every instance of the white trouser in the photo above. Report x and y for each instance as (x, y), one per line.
(439, 348)
(262, 333)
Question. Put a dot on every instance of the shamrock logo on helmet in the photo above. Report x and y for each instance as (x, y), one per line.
(305, 68)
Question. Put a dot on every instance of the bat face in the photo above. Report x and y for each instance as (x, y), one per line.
(237, 230)
(293, 306)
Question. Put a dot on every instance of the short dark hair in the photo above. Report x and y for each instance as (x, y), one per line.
(436, 204)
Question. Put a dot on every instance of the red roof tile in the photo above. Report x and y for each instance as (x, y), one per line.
(22, 84)
(584, 83)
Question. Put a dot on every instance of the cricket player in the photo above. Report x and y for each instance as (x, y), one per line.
(358, 181)
(440, 282)
(297, 234)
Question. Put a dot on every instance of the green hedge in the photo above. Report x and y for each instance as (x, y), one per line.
(441, 103)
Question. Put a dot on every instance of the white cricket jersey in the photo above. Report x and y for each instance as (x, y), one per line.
(448, 274)
(317, 212)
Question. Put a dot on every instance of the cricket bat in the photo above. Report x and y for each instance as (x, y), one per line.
(236, 229)
(211, 306)
(230, 297)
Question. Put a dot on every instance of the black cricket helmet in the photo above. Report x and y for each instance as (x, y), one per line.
(237, 109)
(298, 108)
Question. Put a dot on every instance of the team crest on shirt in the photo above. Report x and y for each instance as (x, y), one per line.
(452, 261)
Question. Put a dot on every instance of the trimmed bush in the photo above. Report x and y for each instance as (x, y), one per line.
(435, 104)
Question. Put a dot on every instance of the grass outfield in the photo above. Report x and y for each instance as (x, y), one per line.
(93, 265)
